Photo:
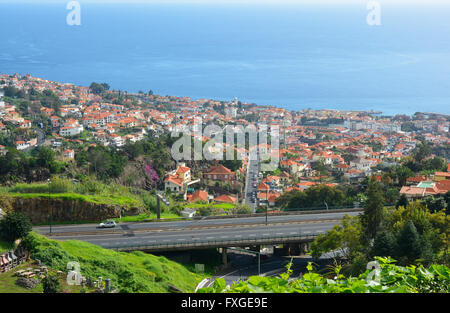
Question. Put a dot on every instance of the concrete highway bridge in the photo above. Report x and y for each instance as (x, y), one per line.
(292, 230)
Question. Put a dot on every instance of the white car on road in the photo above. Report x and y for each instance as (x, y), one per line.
(107, 224)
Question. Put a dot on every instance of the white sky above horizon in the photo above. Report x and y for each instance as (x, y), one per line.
(256, 2)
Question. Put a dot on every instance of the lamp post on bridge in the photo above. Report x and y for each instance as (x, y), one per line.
(51, 208)
(267, 206)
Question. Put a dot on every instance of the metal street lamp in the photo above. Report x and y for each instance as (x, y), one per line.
(267, 206)
(160, 198)
(51, 208)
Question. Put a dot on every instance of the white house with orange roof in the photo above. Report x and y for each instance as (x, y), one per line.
(25, 124)
(69, 154)
(116, 140)
(178, 180)
(70, 130)
(127, 122)
(71, 127)
(22, 145)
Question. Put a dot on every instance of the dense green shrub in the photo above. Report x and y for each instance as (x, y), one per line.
(388, 278)
(51, 284)
(205, 211)
(14, 225)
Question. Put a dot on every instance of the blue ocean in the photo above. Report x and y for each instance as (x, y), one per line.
(291, 56)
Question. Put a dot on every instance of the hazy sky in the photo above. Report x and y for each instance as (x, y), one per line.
(361, 2)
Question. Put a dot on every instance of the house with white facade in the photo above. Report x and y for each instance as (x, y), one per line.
(22, 145)
(71, 130)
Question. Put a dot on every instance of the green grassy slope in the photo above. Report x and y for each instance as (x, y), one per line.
(129, 272)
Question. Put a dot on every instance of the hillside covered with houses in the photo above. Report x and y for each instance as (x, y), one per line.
(95, 130)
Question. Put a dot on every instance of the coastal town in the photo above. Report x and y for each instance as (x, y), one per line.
(224, 152)
(217, 153)
(317, 147)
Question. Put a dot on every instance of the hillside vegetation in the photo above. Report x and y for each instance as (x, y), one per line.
(385, 278)
(88, 190)
(129, 272)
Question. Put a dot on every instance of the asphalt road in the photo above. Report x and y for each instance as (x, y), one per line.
(125, 236)
(253, 169)
(41, 136)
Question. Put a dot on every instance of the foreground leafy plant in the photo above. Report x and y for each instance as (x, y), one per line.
(385, 278)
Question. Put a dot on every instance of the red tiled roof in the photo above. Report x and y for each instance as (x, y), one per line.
(226, 198)
(292, 189)
(199, 195)
(307, 183)
(413, 191)
(220, 169)
(416, 179)
(183, 169)
(273, 197)
(175, 180)
(443, 186)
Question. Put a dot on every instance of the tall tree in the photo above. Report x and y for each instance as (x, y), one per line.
(373, 209)
(402, 201)
(384, 244)
(46, 157)
(409, 244)
(403, 173)
(97, 88)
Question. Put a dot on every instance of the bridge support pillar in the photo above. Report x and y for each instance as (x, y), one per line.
(307, 246)
(224, 256)
(294, 249)
(303, 248)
